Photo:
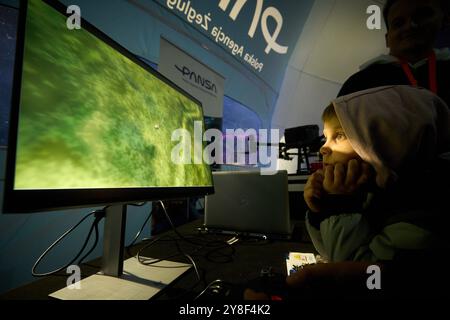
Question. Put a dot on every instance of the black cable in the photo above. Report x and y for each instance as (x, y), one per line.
(200, 278)
(184, 294)
(161, 238)
(98, 213)
(190, 258)
(208, 286)
(216, 244)
(176, 244)
(185, 239)
(194, 265)
(227, 257)
(171, 256)
(219, 245)
(203, 242)
(178, 233)
(96, 222)
(138, 255)
(155, 261)
(140, 231)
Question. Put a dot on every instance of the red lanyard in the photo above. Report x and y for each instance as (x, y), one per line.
(431, 72)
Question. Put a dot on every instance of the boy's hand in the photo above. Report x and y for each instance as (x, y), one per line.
(314, 191)
(339, 179)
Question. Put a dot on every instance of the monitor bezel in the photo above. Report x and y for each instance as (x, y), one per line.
(25, 201)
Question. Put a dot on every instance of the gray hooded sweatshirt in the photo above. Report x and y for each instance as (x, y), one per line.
(390, 128)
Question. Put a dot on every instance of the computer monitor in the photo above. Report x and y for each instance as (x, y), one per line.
(8, 26)
(91, 124)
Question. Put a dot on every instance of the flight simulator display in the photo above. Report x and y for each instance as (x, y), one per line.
(89, 115)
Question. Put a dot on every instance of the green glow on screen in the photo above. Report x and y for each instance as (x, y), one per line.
(91, 118)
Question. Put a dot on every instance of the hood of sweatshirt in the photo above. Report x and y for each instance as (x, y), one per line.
(394, 127)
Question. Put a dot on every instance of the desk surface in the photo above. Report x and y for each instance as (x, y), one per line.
(235, 264)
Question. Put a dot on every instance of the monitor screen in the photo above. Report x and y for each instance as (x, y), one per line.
(92, 123)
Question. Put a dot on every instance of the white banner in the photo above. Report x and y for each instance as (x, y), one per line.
(197, 79)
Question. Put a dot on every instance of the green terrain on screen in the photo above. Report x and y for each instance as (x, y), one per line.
(91, 118)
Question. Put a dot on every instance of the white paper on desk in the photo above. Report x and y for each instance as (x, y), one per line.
(297, 260)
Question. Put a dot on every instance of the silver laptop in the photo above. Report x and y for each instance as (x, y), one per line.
(246, 202)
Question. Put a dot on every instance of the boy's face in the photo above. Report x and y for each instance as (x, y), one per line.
(413, 26)
(337, 148)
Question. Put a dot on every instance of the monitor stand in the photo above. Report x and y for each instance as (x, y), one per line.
(122, 280)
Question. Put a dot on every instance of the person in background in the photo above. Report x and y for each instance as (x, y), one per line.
(412, 30)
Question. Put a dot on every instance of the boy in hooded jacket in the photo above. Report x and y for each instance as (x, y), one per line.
(381, 195)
